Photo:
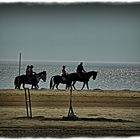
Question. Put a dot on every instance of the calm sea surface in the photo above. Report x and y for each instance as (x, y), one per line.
(110, 76)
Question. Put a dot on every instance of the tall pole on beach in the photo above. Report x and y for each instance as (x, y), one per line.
(19, 63)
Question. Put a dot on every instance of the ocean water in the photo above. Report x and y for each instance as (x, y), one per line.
(110, 76)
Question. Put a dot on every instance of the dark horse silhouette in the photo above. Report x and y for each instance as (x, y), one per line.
(23, 79)
(56, 80)
(73, 77)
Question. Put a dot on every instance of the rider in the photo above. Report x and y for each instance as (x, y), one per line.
(64, 73)
(80, 70)
(29, 72)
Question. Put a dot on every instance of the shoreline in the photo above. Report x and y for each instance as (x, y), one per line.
(84, 90)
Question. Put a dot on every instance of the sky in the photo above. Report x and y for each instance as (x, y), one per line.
(70, 32)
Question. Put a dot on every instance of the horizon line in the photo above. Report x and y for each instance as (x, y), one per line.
(69, 1)
(85, 61)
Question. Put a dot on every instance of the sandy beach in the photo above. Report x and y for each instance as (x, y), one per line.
(100, 113)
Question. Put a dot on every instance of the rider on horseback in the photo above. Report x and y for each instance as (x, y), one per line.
(30, 72)
(80, 70)
(64, 73)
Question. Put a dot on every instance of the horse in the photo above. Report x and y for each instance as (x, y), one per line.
(23, 79)
(56, 80)
(73, 77)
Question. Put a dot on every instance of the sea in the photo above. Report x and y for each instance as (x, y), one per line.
(111, 76)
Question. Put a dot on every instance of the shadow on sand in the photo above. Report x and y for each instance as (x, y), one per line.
(42, 118)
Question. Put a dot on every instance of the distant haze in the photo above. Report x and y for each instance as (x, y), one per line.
(72, 32)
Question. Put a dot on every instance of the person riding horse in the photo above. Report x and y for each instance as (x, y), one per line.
(30, 72)
(80, 70)
(64, 73)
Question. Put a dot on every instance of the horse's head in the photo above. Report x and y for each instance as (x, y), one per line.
(94, 74)
(43, 76)
(90, 74)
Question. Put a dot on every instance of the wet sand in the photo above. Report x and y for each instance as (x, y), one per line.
(100, 113)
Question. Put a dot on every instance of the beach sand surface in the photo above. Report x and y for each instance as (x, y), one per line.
(100, 113)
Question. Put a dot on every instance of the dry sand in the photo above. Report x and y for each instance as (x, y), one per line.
(101, 113)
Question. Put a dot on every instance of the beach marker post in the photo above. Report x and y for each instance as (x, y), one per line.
(28, 102)
(71, 112)
(19, 63)
(19, 67)
(71, 115)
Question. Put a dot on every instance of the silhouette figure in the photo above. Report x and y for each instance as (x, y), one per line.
(31, 70)
(23, 79)
(57, 79)
(64, 73)
(80, 70)
(28, 70)
(73, 77)
(30, 73)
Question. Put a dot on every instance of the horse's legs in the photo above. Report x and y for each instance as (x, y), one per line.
(83, 86)
(19, 85)
(66, 86)
(87, 85)
(69, 84)
(37, 86)
(74, 84)
(32, 86)
(16, 87)
(23, 85)
(57, 85)
(53, 86)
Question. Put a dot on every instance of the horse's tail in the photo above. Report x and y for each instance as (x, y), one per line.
(51, 82)
(16, 82)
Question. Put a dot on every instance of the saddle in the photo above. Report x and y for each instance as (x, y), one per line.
(81, 75)
(64, 77)
(30, 77)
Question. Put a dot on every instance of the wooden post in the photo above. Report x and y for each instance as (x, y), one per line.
(26, 100)
(70, 115)
(19, 63)
(19, 69)
(28, 103)
(71, 112)
(30, 107)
